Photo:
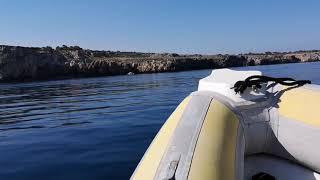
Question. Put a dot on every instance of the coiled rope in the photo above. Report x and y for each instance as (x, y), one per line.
(256, 81)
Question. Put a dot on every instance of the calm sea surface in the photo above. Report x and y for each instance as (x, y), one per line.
(95, 128)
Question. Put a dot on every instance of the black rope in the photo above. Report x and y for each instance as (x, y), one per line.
(256, 81)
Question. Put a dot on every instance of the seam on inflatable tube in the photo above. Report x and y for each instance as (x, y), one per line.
(150, 145)
(193, 145)
(197, 139)
(220, 98)
(185, 161)
(241, 140)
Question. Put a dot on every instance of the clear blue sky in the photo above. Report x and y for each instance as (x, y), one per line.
(198, 26)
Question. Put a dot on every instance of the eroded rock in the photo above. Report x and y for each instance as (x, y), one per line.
(28, 63)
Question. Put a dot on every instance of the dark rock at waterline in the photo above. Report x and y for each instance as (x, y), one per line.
(29, 63)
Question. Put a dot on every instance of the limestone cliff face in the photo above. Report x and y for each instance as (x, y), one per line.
(18, 63)
(25, 63)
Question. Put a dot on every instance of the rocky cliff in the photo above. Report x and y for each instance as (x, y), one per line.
(29, 63)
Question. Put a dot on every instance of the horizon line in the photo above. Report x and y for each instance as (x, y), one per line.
(163, 52)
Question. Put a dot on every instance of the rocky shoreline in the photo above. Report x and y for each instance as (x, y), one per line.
(33, 63)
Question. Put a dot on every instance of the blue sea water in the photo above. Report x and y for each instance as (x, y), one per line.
(95, 128)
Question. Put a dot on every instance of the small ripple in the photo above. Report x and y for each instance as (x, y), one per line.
(75, 123)
(20, 128)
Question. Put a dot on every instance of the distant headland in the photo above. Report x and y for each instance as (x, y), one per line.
(39, 63)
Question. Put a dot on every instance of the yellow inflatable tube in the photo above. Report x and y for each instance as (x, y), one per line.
(215, 134)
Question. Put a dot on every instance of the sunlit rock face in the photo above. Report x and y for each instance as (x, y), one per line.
(28, 63)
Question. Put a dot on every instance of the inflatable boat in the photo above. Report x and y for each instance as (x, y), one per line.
(239, 125)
